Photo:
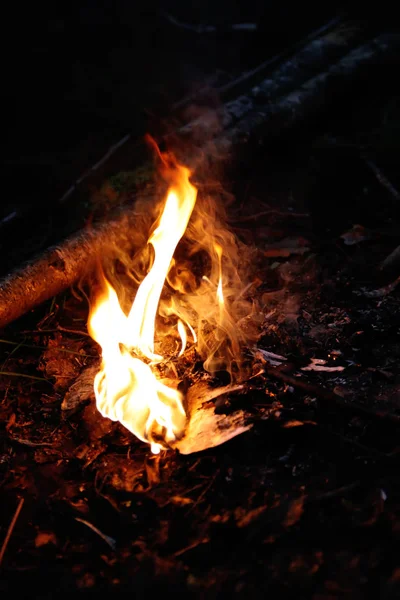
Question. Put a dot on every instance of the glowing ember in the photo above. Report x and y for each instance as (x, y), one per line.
(128, 387)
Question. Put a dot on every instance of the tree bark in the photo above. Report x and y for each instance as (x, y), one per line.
(59, 267)
(316, 56)
(316, 96)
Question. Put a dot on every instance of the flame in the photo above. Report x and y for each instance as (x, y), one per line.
(128, 386)
(173, 222)
(220, 293)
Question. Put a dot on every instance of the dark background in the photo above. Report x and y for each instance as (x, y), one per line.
(76, 79)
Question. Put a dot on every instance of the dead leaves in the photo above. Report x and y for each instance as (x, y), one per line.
(81, 390)
(122, 474)
(61, 365)
(294, 512)
(251, 516)
(44, 538)
(282, 513)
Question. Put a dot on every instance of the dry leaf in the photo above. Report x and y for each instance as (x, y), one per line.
(295, 511)
(43, 538)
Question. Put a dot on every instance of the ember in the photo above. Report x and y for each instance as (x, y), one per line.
(129, 387)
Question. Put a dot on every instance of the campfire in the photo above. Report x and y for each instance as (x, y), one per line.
(189, 298)
(178, 312)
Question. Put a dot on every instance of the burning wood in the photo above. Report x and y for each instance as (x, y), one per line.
(203, 306)
(205, 428)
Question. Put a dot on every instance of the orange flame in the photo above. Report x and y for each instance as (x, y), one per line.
(128, 388)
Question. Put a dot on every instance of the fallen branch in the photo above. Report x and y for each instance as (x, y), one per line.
(329, 398)
(379, 293)
(61, 266)
(381, 177)
(313, 98)
(334, 25)
(11, 529)
(301, 61)
(392, 262)
(316, 56)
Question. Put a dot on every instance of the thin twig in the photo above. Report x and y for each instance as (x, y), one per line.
(10, 529)
(74, 331)
(15, 349)
(112, 149)
(23, 345)
(341, 491)
(266, 213)
(31, 444)
(330, 397)
(56, 330)
(204, 492)
(109, 540)
(12, 374)
(200, 29)
(392, 260)
(380, 292)
(381, 177)
(191, 546)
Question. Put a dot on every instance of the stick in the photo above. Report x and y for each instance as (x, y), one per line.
(313, 98)
(250, 76)
(329, 397)
(316, 56)
(392, 261)
(61, 266)
(10, 529)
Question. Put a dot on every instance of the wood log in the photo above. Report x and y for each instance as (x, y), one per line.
(316, 56)
(60, 267)
(314, 97)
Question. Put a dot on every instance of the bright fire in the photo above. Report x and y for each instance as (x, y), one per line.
(128, 387)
